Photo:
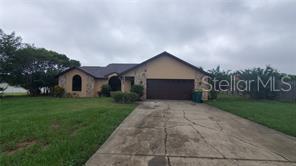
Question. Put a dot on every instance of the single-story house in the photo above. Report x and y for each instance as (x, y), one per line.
(163, 76)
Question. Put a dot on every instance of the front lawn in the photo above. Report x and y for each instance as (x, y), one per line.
(56, 131)
(280, 116)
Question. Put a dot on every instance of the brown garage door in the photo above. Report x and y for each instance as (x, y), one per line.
(172, 89)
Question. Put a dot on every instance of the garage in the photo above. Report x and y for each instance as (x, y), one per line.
(171, 89)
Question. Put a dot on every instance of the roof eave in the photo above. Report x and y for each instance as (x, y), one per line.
(72, 68)
(162, 54)
(107, 75)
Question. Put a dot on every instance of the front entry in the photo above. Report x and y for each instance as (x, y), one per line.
(171, 89)
(115, 83)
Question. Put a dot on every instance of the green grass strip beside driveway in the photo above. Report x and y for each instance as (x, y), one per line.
(280, 116)
(56, 131)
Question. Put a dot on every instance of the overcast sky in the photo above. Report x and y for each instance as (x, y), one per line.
(231, 33)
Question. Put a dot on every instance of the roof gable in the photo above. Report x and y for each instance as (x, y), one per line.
(77, 68)
(169, 55)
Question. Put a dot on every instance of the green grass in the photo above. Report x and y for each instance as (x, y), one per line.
(56, 131)
(280, 116)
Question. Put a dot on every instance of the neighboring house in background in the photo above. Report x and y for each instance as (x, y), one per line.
(13, 89)
(164, 76)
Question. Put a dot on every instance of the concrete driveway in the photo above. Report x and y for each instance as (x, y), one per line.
(177, 133)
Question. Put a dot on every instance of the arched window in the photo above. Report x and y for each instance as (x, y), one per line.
(115, 83)
(76, 83)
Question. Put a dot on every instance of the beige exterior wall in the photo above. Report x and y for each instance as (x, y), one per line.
(165, 67)
(98, 85)
(89, 87)
(125, 85)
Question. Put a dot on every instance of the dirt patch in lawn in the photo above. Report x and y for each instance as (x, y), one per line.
(55, 125)
(20, 146)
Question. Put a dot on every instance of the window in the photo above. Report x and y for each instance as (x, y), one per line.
(76, 83)
(115, 83)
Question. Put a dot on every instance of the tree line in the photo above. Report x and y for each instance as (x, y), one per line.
(263, 83)
(25, 65)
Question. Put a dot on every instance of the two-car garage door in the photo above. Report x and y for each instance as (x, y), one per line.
(171, 89)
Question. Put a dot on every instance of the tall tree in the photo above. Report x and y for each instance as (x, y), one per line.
(264, 88)
(9, 43)
(218, 74)
(32, 68)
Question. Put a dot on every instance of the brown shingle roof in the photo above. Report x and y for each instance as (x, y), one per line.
(121, 68)
(103, 72)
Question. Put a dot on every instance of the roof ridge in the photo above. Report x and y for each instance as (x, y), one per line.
(123, 64)
(165, 53)
(90, 66)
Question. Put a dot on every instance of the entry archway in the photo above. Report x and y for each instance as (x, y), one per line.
(115, 83)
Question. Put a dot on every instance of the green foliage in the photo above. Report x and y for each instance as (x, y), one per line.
(257, 90)
(30, 67)
(9, 43)
(219, 75)
(138, 89)
(105, 90)
(58, 91)
(117, 96)
(124, 97)
(68, 95)
(213, 95)
(293, 77)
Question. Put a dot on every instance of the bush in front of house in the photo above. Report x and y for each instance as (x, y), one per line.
(213, 95)
(124, 97)
(58, 91)
(105, 90)
(138, 89)
(68, 95)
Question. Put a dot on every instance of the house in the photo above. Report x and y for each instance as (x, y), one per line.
(163, 76)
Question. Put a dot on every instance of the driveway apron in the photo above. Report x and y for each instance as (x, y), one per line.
(174, 133)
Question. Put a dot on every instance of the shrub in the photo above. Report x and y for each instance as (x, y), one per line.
(68, 95)
(117, 96)
(131, 97)
(138, 89)
(124, 97)
(105, 90)
(213, 95)
(58, 91)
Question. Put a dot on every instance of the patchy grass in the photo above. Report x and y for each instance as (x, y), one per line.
(56, 131)
(280, 116)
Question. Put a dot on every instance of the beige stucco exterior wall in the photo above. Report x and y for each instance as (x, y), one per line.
(125, 85)
(98, 85)
(89, 87)
(165, 67)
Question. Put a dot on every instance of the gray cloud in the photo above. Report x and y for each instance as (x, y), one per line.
(231, 33)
